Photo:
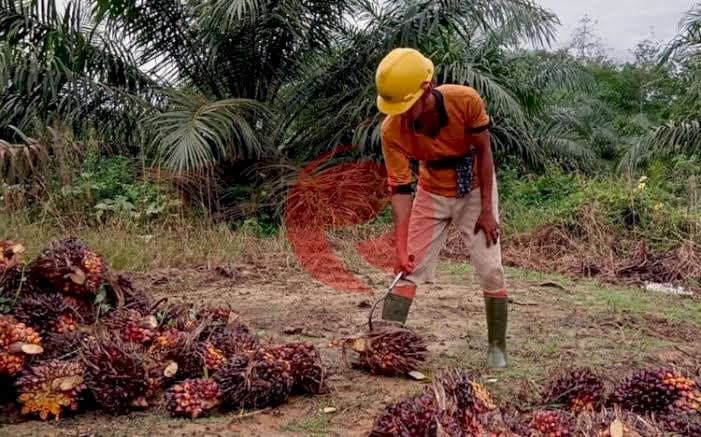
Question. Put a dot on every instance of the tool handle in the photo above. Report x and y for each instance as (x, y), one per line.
(393, 284)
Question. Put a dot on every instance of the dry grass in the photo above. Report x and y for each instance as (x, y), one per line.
(173, 245)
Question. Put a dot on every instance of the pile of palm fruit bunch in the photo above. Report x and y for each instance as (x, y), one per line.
(575, 402)
(388, 350)
(75, 336)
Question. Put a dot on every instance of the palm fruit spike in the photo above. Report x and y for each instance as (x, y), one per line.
(577, 390)
(70, 267)
(306, 368)
(388, 350)
(552, 424)
(159, 373)
(407, 418)
(193, 397)
(681, 424)
(17, 341)
(467, 395)
(51, 387)
(46, 312)
(83, 309)
(134, 298)
(132, 326)
(63, 344)
(658, 390)
(254, 380)
(180, 316)
(615, 422)
(11, 253)
(115, 374)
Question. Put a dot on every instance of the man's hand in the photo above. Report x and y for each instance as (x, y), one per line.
(487, 223)
(403, 263)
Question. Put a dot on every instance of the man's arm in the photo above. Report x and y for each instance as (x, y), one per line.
(485, 166)
(399, 180)
(401, 212)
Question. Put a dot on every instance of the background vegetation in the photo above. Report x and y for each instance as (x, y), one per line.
(149, 113)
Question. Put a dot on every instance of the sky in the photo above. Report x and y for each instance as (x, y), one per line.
(621, 23)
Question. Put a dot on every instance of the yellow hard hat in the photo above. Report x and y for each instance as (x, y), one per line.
(398, 79)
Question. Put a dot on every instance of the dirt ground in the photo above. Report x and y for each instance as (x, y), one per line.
(553, 323)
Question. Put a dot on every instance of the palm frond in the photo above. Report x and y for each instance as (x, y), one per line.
(669, 140)
(687, 43)
(194, 132)
(20, 161)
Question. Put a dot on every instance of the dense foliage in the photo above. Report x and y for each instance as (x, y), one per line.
(106, 106)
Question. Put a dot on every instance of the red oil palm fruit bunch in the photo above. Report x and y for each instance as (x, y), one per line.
(46, 313)
(193, 397)
(13, 282)
(255, 380)
(552, 424)
(194, 358)
(12, 277)
(17, 342)
(658, 390)
(50, 388)
(388, 350)
(70, 267)
(213, 359)
(234, 339)
(83, 308)
(115, 374)
(306, 368)
(414, 417)
(132, 326)
(577, 391)
(166, 339)
(466, 394)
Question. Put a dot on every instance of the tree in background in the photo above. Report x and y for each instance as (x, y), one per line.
(586, 44)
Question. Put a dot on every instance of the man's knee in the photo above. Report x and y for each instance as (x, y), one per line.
(492, 278)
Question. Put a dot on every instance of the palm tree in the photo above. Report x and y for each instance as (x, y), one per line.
(682, 134)
(219, 83)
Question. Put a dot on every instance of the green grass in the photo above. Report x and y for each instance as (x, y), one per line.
(316, 423)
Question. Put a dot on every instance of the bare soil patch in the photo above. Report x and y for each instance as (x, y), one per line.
(550, 328)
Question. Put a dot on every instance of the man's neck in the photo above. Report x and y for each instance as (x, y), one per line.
(430, 120)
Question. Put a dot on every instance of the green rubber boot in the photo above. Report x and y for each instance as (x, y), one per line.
(396, 306)
(496, 309)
